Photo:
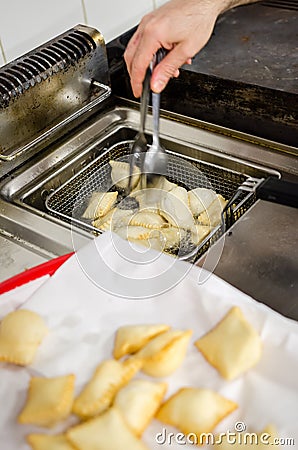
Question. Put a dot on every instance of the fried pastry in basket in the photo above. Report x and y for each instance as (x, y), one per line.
(131, 338)
(49, 400)
(115, 218)
(49, 442)
(21, 332)
(120, 174)
(138, 402)
(200, 199)
(233, 346)
(99, 204)
(100, 391)
(212, 216)
(199, 233)
(195, 411)
(147, 219)
(108, 431)
(164, 353)
(175, 209)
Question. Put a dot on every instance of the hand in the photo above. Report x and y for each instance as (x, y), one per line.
(183, 27)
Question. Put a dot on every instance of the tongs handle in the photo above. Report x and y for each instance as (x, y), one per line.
(141, 135)
(145, 99)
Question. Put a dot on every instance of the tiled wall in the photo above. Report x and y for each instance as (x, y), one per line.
(27, 24)
(159, 2)
(1, 53)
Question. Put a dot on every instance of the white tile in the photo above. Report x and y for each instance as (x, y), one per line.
(2, 62)
(28, 24)
(114, 17)
(159, 3)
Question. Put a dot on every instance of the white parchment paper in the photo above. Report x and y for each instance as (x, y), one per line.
(83, 307)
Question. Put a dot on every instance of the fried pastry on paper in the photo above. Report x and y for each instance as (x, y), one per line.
(233, 346)
(21, 332)
(138, 402)
(49, 400)
(108, 431)
(195, 411)
(100, 391)
(49, 442)
(131, 338)
(164, 353)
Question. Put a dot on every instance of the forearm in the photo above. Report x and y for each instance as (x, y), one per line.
(183, 27)
(228, 4)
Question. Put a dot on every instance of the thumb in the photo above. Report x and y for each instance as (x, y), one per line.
(168, 68)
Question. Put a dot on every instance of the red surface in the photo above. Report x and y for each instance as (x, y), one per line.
(47, 268)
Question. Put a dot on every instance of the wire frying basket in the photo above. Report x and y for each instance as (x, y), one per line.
(69, 200)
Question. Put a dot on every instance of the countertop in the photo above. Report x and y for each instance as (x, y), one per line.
(258, 255)
(16, 258)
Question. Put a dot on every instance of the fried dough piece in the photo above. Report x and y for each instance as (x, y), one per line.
(21, 332)
(212, 216)
(100, 391)
(131, 338)
(148, 199)
(200, 199)
(165, 353)
(161, 183)
(233, 346)
(105, 432)
(120, 174)
(175, 209)
(49, 400)
(195, 411)
(199, 233)
(147, 219)
(99, 204)
(133, 233)
(116, 217)
(138, 402)
(49, 442)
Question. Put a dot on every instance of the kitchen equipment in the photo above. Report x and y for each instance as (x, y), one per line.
(139, 145)
(288, 4)
(269, 189)
(156, 160)
(57, 83)
(69, 200)
(234, 126)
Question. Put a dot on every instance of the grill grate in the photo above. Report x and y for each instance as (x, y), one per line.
(32, 69)
(57, 82)
(286, 4)
(70, 200)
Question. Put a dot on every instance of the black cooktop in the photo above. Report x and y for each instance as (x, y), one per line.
(255, 44)
(246, 78)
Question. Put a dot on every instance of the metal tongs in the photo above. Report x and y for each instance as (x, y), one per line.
(139, 146)
(156, 159)
(153, 159)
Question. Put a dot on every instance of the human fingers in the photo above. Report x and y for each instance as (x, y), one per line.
(169, 67)
(134, 42)
(131, 49)
(139, 53)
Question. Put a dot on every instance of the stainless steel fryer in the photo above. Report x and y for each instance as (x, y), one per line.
(71, 198)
